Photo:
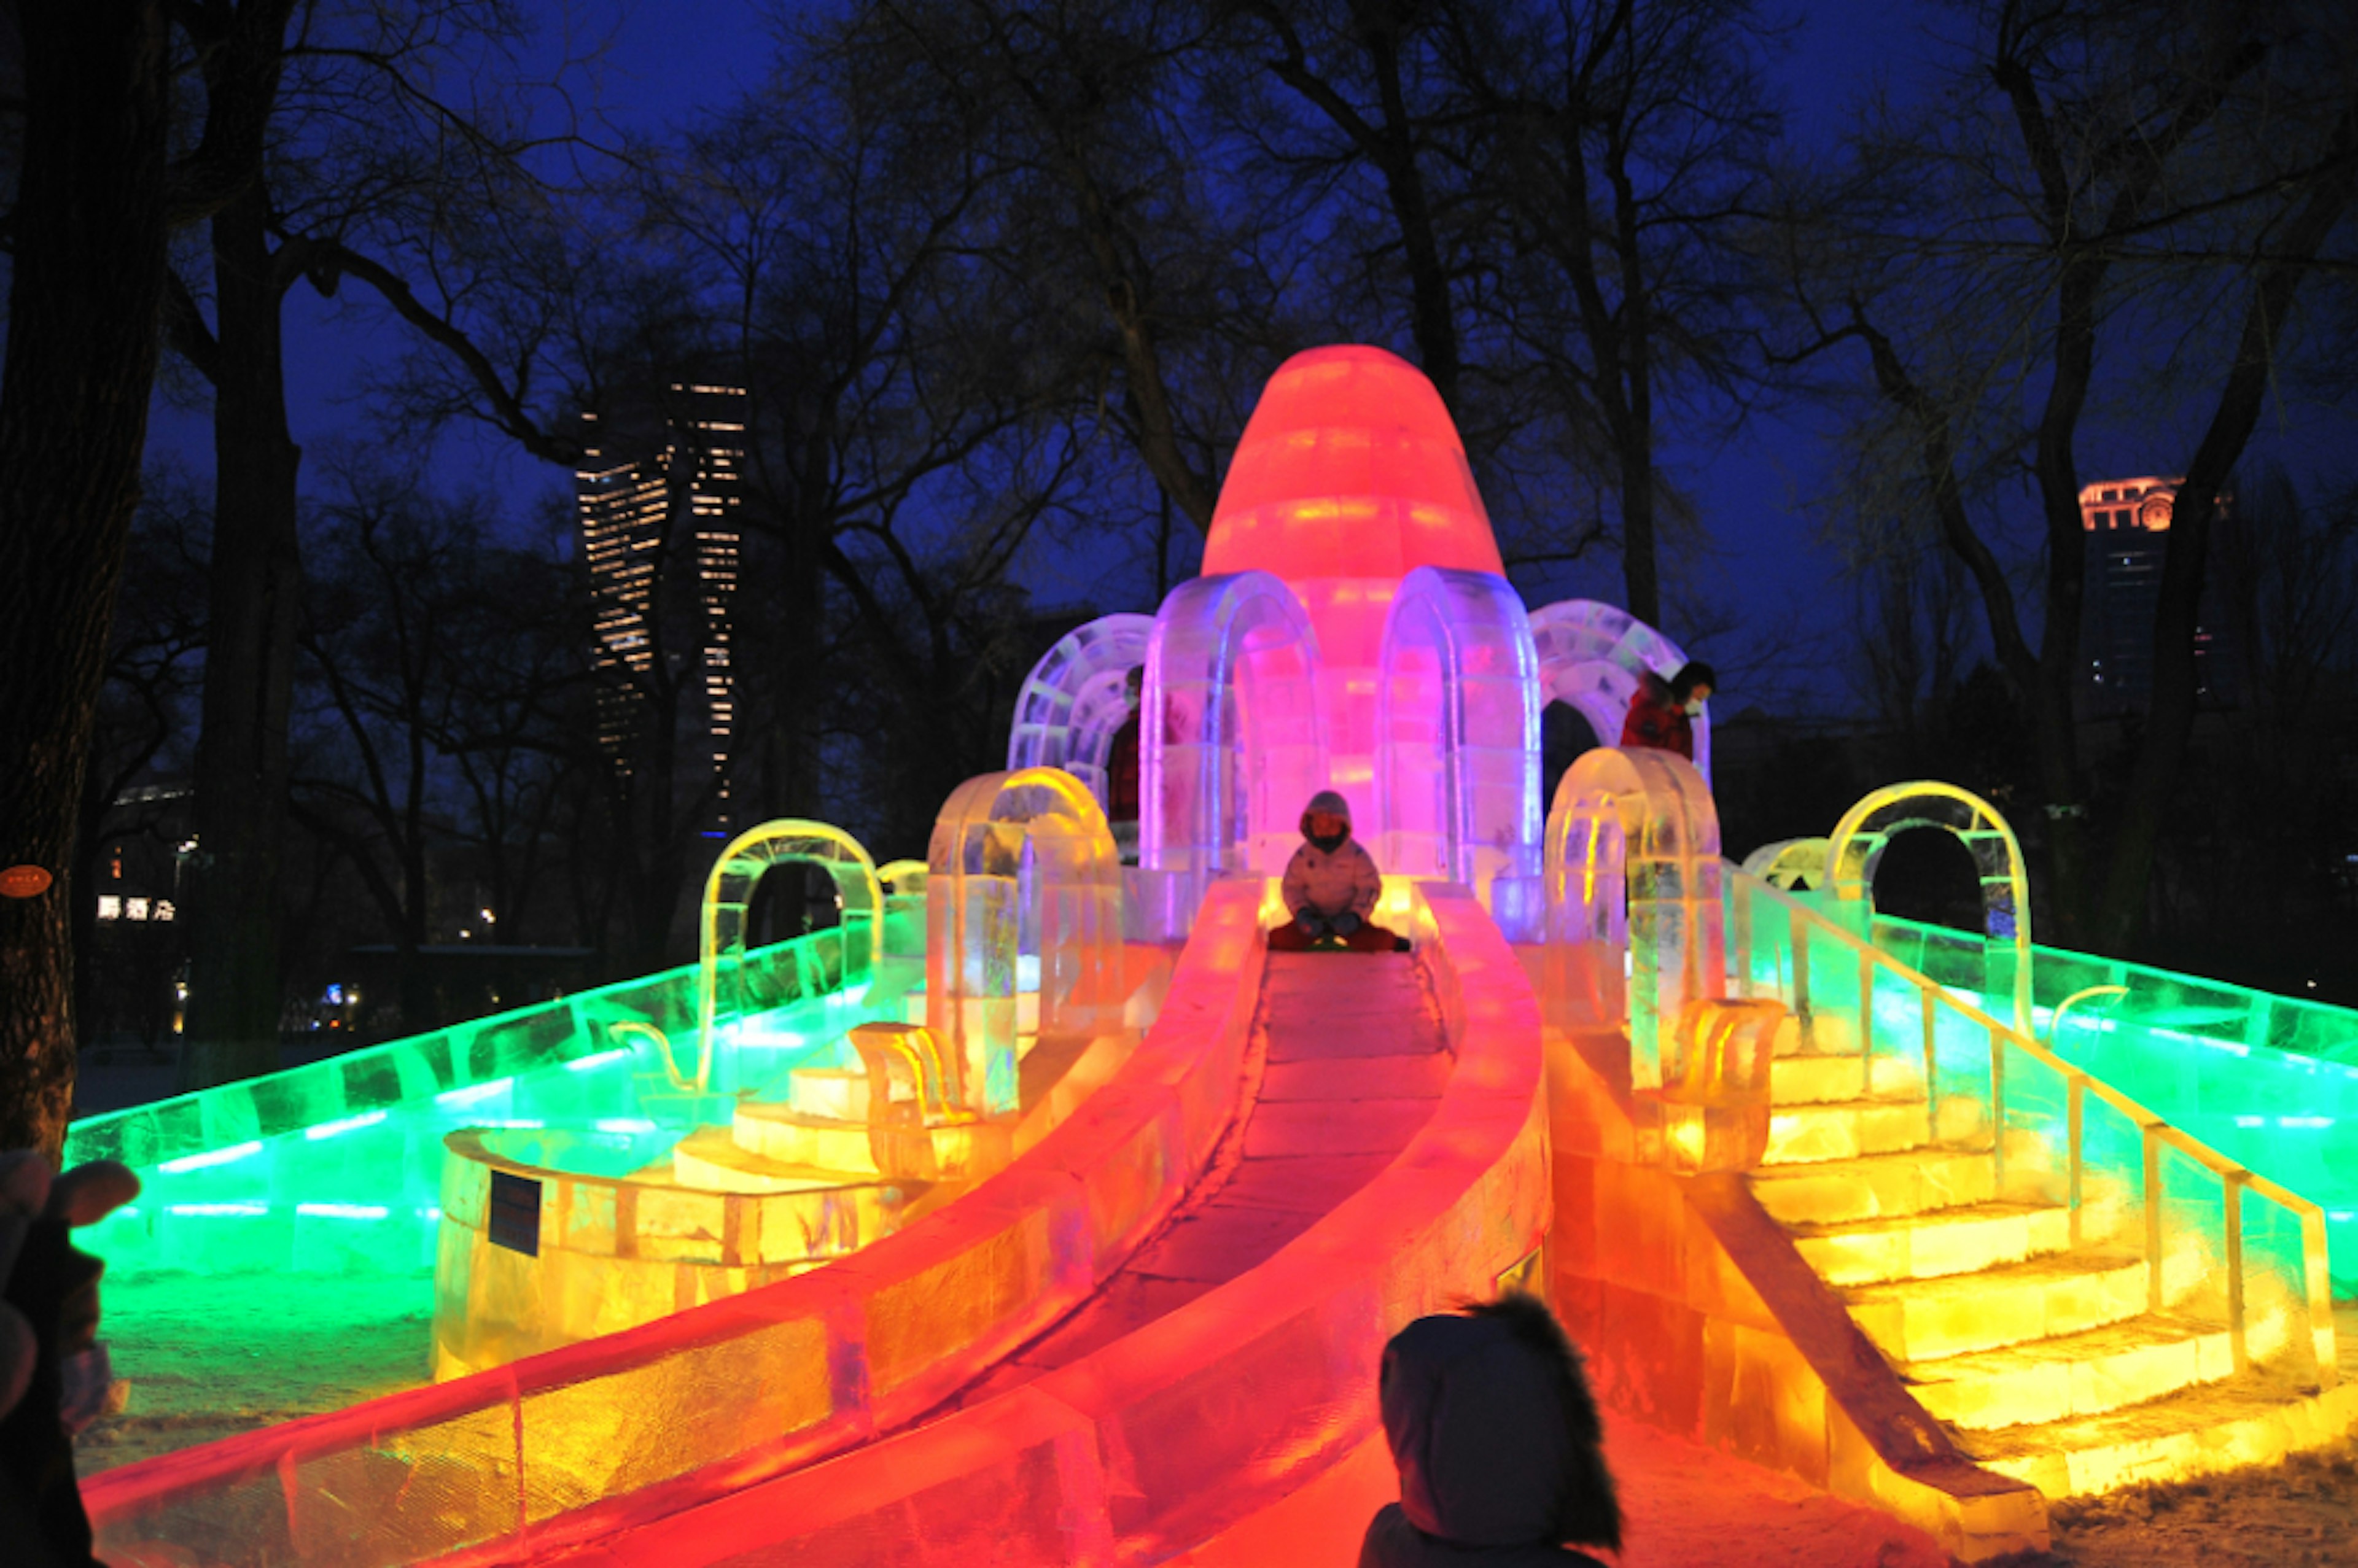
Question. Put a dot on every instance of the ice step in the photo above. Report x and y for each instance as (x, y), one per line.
(927, 1153)
(2255, 1418)
(710, 1160)
(838, 1094)
(2014, 1303)
(1959, 1240)
(1919, 1181)
(1820, 1034)
(1815, 1078)
(2074, 1376)
(1844, 1130)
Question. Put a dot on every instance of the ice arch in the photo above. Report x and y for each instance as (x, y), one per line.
(1077, 698)
(1021, 852)
(1591, 655)
(1633, 868)
(729, 889)
(1857, 843)
(1233, 740)
(1457, 733)
(1790, 864)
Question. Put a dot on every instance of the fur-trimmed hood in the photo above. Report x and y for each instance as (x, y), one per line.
(1494, 1431)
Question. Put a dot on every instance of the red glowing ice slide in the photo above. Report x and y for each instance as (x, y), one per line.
(1154, 1337)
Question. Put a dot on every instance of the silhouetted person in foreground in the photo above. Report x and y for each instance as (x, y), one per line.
(1332, 885)
(53, 1371)
(1662, 712)
(1502, 1457)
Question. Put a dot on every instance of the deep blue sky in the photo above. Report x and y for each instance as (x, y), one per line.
(670, 57)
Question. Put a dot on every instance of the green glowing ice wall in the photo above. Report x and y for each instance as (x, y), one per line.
(2268, 1081)
(337, 1165)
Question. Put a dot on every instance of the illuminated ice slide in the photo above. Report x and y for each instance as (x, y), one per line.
(1214, 1242)
(1122, 1345)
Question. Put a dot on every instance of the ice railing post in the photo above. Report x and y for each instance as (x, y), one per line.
(2126, 1174)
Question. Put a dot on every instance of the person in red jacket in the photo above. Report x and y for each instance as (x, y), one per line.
(1662, 712)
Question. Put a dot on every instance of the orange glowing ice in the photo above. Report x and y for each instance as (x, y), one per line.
(1351, 468)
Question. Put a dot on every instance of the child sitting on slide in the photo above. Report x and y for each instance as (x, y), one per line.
(1331, 886)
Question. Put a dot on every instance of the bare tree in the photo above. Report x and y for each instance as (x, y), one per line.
(384, 116)
(2100, 178)
(1620, 144)
(1362, 72)
(87, 236)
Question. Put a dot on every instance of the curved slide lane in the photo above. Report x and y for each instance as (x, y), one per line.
(1181, 1292)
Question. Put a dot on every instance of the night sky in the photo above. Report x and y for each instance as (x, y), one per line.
(669, 60)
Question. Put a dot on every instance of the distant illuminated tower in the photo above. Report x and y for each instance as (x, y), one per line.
(2128, 523)
(647, 516)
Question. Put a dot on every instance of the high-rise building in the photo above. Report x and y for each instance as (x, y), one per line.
(657, 507)
(2128, 523)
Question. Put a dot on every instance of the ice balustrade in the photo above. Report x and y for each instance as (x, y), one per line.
(1018, 855)
(1232, 742)
(2230, 1020)
(338, 1165)
(2269, 1081)
(1858, 840)
(1077, 698)
(1592, 656)
(2213, 1234)
(1457, 742)
(728, 887)
(1633, 868)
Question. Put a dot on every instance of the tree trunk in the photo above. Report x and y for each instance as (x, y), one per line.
(2120, 907)
(84, 323)
(256, 581)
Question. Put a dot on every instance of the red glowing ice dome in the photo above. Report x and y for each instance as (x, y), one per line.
(1349, 467)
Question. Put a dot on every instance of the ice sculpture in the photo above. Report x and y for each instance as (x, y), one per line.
(1077, 698)
(1234, 740)
(722, 926)
(1018, 860)
(1634, 831)
(1591, 656)
(1353, 628)
(1857, 843)
(1458, 719)
(1790, 864)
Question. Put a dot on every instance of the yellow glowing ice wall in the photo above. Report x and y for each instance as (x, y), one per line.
(1857, 844)
(721, 929)
(1633, 869)
(1011, 853)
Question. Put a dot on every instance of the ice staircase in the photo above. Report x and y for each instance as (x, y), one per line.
(859, 1165)
(2035, 1332)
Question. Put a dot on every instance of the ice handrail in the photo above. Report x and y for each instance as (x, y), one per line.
(2154, 1133)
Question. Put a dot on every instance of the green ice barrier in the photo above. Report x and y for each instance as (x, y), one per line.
(337, 1165)
(2269, 1081)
